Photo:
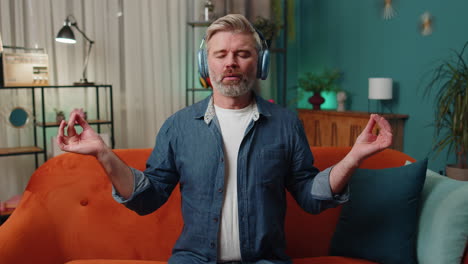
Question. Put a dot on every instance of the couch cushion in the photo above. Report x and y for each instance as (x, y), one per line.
(443, 222)
(301, 226)
(379, 223)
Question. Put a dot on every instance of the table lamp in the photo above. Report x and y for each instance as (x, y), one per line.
(380, 89)
(66, 35)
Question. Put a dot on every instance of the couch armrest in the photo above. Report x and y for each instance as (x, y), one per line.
(443, 228)
(27, 236)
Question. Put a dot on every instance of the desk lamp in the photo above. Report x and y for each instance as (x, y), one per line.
(66, 35)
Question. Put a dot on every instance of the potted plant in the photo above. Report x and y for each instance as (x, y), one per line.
(325, 81)
(268, 27)
(59, 115)
(450, 83)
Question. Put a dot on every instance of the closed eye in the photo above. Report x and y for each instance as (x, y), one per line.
(244, 54)
(219, 53)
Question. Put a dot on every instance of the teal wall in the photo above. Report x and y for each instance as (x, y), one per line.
(352, 36)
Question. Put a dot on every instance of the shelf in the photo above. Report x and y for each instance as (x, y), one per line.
(20, 151)
(39, 106)
(199, 23)
(57, 124)
(55, 86)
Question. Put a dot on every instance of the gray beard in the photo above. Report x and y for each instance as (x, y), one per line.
(233, 90)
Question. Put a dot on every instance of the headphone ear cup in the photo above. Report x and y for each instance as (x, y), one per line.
(259, 64)
(205, 65)
(202, 64)
(263, 64)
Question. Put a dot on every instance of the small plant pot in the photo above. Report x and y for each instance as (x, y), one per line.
(316, 100)
(59, 118)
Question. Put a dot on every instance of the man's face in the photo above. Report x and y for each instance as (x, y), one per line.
(232, 62)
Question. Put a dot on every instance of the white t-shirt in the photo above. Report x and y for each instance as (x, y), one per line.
(233, 123)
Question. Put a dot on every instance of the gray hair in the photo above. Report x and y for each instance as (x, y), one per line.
(235, 23)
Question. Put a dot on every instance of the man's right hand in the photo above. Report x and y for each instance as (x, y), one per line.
(90, 143)
(87, 142)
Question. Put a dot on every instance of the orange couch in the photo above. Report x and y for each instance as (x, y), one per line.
(67, 214)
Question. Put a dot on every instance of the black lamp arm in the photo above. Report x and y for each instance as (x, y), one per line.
(72, 22)
(85, 76)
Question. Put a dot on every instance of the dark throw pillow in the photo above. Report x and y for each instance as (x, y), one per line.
(379, 223)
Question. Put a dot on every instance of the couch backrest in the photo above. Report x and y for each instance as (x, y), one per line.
(75, 196)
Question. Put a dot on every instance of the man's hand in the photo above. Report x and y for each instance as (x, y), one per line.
(88, 142)
(367, 143)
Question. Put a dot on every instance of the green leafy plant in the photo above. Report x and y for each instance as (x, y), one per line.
(59, 115)
(324, 81)
(450, 83)
(269, 28)
(59, 112)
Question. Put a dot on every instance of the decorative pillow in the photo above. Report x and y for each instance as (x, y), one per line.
(443, 221)
(379, 223)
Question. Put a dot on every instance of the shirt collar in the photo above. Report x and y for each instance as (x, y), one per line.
(260, 107)
(210, 111)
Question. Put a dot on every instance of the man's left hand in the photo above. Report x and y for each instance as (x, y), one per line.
(368, 143)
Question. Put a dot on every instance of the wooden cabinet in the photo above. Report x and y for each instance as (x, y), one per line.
(332, 128)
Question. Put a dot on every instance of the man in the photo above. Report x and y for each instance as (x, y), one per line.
(234, 155)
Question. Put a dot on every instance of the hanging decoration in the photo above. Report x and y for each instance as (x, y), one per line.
(16, 116)
(388, 12)
(426, 24)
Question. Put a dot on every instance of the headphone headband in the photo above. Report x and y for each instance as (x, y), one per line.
(263, 42)
(263, 62)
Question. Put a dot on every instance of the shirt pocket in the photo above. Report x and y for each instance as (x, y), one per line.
(272, 165)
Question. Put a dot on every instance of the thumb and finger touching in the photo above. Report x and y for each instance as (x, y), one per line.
(71, 141)
(368, 142)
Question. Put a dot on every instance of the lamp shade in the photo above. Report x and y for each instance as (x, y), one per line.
(66, 35)
(380, 88)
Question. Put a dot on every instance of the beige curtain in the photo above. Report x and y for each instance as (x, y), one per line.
(139, 49)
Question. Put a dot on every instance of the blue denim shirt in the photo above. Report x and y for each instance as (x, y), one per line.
(274, 156)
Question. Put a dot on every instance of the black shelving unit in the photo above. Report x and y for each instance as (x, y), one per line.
(43, 124)
(192, 71)
(279, 51)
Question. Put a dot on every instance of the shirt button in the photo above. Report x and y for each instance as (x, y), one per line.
(220, 190)
(215, 219)
(212, 245)
(222, 159)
